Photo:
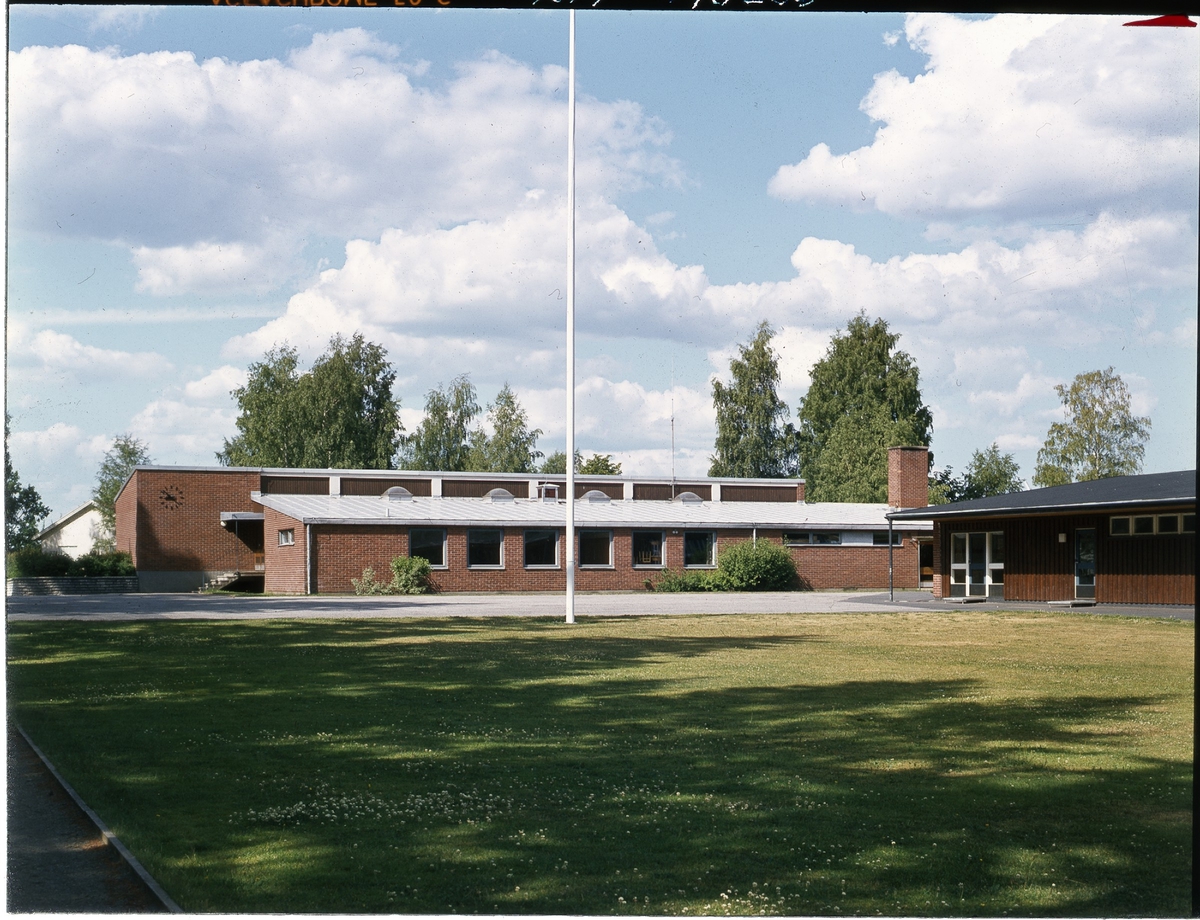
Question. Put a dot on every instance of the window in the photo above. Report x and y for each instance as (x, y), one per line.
(541, 548)
(1189, 523)
(595, 548)
(485, 549)
(648, 547)
(1143, 525)
(880, 538)
(430, 544)
(1168, 523)
(796, 539)
(287, 538)
(827, 539)
(1118, 526)
(699, 548)
(977, 564)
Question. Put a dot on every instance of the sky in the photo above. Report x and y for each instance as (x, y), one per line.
(188, 187)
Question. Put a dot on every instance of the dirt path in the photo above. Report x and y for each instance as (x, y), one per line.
(57, 859)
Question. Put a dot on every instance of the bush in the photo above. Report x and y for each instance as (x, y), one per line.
(102, 564)
(672, 582)
(756, 566)
(34, 562)
(410, 575)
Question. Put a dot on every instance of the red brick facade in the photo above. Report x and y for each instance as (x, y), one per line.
(908, 477)
(170, 522)
(286, 563)
(341, 552)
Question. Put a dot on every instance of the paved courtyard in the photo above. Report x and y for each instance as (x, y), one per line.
(219, 607)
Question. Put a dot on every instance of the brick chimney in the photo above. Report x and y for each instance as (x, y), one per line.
(908, 477)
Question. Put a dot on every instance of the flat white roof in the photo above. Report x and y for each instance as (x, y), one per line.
(467, 512)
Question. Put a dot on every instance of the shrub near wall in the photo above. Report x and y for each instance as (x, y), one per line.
(745, 566)
(33, 562)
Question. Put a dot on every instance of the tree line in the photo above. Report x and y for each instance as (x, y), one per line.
(864, 397)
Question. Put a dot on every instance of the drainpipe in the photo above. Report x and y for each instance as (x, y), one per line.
(307, 559)
(891, 584)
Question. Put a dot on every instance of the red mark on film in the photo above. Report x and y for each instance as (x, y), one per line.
(1170, 22)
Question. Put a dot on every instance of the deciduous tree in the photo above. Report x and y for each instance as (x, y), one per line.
(338, 415)
(118, 464)
(988, 473)
(754, 437)
(1100, 436)
(443, 439)
(24, 509)
(600, 465)
(864, 398)
(512, 447)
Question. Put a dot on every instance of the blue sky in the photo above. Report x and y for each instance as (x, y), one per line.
(1015, 195)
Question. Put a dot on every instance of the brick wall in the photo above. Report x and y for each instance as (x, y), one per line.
(340, 553)
(285, 564)
(177, 522)
(126, 508)
(908, 477)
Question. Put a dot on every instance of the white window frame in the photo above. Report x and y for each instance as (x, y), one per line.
(489, 567)
(287, 537)
(445, 548)
(595, 565)
(525, 548)
(662, 550)
(712, 550)
(990, 567)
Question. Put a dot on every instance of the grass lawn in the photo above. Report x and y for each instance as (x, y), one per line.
(912, 763)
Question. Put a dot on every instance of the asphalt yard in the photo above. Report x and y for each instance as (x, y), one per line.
(222, 607)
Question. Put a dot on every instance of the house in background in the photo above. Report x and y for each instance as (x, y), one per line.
(73, 534)
(1124, 540)
(301, 531)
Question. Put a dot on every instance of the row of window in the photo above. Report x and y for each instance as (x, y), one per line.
(834, 538)
(485, 548)
(1147, 524)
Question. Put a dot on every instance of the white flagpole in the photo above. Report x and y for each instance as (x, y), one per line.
(571, 324)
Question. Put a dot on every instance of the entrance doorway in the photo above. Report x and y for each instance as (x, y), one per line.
(1085, 562)
(925, 561)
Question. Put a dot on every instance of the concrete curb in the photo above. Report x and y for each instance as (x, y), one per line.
(109, 837)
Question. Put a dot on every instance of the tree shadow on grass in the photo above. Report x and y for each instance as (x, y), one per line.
(312, 768)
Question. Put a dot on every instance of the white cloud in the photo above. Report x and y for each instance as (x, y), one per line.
(215, 386)
(181, 432)
(260, 154)
(58, 352)
(204, 267)
(1021, 115)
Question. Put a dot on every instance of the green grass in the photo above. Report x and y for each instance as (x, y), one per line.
(959, 763)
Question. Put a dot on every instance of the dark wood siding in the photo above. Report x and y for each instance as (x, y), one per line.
(295, 485)
(1151, 569)
(651, 492)
(379, 486)
(477, 488)
(786, 493)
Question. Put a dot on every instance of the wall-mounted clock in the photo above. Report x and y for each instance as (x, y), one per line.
(171, 497)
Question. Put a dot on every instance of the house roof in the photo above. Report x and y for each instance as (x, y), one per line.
(442, 512)
(1117, 492)
(67, 519)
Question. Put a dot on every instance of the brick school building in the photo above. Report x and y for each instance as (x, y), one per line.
(312, 531)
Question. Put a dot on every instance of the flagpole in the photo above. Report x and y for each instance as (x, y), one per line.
(571, 323)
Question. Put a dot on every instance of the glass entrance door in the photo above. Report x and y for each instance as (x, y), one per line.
(1085, 562)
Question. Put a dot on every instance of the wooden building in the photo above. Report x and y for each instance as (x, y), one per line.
(1124, 540)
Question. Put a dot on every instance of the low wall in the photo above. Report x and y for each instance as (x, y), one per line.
(30, 587)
